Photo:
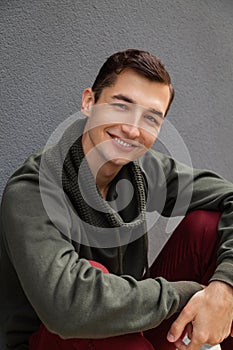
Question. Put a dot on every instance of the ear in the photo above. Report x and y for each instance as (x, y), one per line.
(87, 101)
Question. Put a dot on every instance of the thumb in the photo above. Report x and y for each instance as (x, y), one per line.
(178, 326)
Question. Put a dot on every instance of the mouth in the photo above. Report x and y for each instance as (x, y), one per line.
(124, 144)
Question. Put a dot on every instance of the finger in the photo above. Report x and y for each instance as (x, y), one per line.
(180, 345)
(179, 325)
(196, 341)
(190, 330)
(194, 345)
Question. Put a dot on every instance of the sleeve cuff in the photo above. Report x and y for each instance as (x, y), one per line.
(224, 273)
(185, 289)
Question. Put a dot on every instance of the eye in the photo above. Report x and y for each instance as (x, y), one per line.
(120, 106)
(153, 120)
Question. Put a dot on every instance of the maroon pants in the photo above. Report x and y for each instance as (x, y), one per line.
(190, 254)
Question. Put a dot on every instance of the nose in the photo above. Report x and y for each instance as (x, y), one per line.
(131, 131)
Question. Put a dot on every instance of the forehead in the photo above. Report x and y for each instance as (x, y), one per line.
(143, 91)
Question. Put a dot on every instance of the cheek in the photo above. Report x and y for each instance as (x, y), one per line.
(149, 139)
(96, 131)
(150, 143)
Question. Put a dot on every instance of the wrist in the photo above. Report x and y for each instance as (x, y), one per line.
(222, 287)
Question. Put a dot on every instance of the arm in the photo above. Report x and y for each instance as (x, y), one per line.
(180, 189)
(70, 297)
(209, 313)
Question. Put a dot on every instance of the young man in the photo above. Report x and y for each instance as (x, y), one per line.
(74, 222)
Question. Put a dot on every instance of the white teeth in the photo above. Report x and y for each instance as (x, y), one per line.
(125, 144)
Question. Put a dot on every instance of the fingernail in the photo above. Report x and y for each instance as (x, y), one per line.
(170, 337)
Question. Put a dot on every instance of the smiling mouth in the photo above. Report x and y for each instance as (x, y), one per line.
(122, 143)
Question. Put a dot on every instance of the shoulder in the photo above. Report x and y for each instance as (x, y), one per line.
(154, 163)
(24, 178)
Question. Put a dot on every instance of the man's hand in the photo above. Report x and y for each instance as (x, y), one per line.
(207, 317)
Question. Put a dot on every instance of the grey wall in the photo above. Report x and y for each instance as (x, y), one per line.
(51, 50)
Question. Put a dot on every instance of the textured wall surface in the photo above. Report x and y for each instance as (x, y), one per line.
(51, 50)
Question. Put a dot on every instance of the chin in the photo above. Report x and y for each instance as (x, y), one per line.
(120, 161)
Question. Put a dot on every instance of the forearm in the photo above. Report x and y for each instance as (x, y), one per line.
(71, 297)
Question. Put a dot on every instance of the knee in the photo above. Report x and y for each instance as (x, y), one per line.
(202, 223)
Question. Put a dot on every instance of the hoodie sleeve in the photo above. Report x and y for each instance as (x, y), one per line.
(71, 297)
(181, 189)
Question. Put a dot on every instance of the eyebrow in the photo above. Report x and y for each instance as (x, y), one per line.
(130, 100)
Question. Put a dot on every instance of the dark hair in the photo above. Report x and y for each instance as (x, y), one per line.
(142, 62)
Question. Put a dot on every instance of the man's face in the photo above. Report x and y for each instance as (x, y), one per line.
(126, 120)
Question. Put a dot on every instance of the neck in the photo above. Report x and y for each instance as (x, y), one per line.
(103, 171)
(104, 177)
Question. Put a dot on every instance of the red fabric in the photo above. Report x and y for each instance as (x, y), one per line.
(190, 254)
(45, 340)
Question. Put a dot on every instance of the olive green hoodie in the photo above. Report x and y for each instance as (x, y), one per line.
(45, 275)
